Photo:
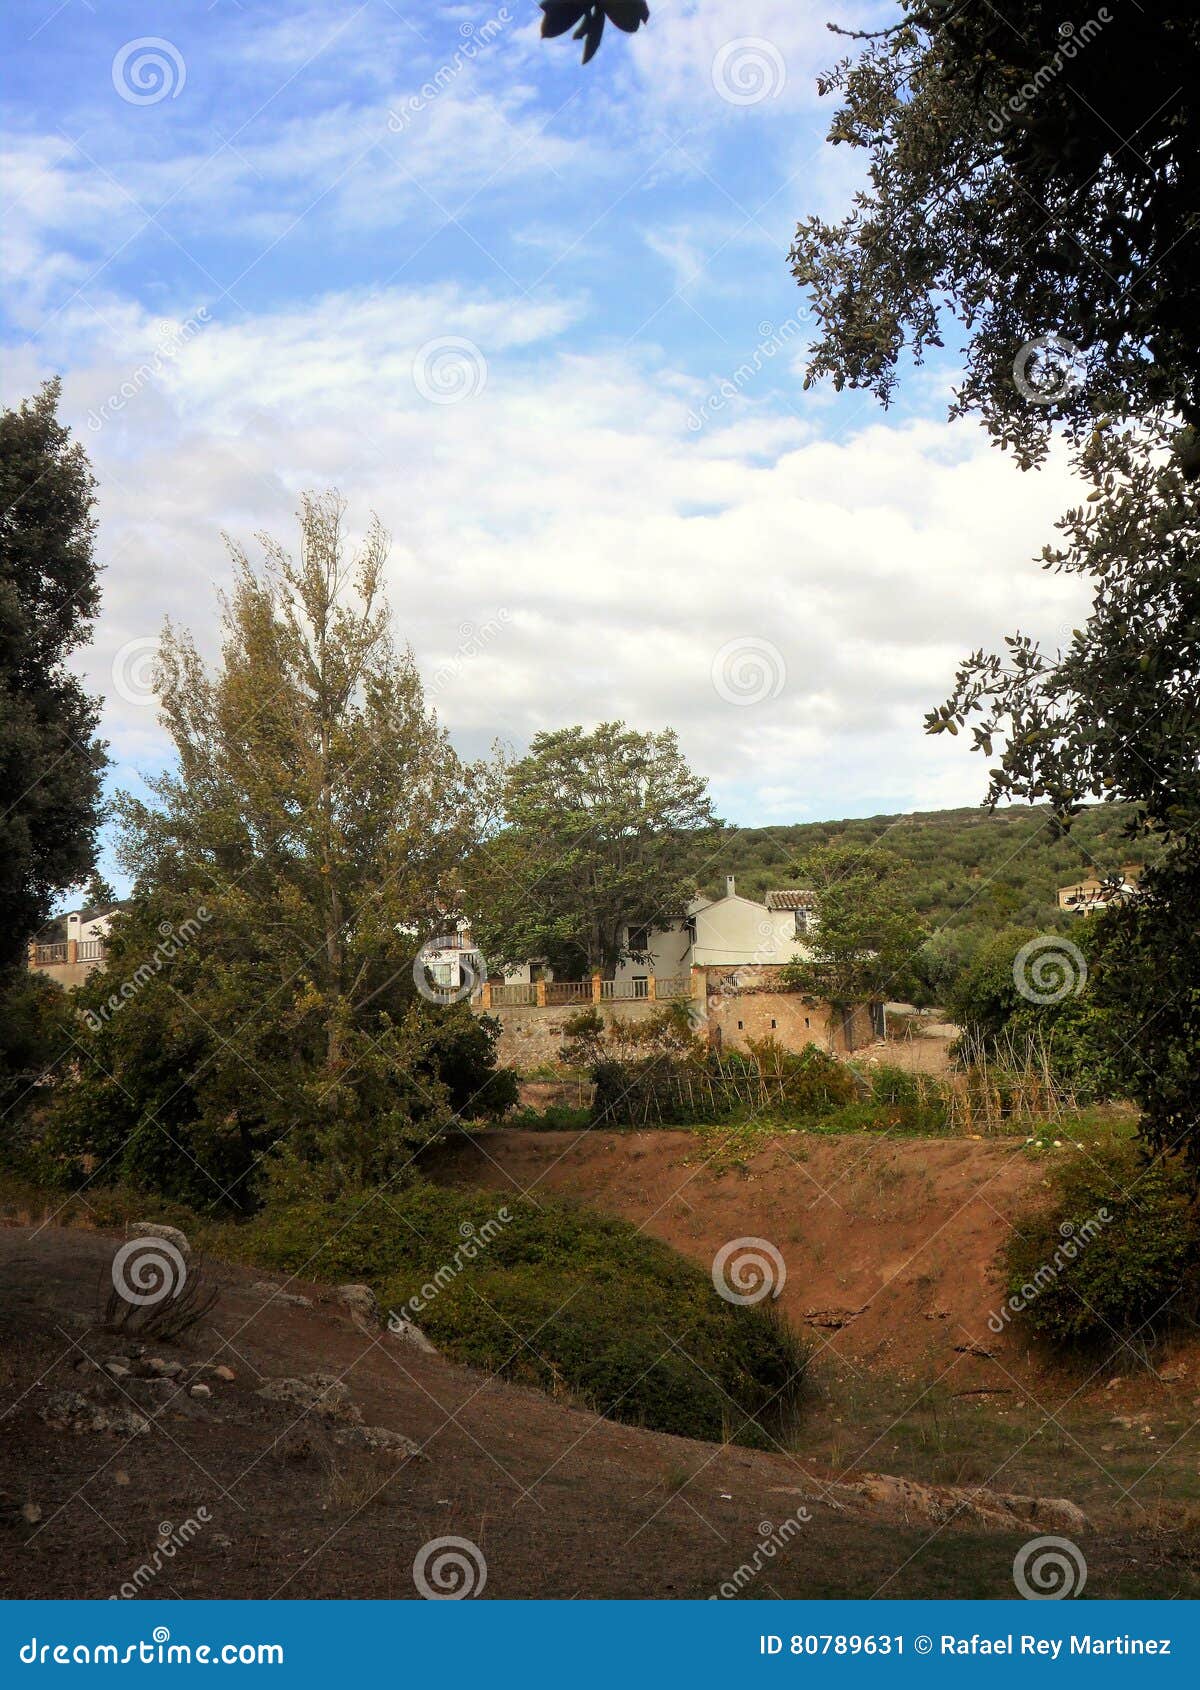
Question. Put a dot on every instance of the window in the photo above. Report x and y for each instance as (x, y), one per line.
(639, 939)
(801, 923)
(741, 1024)
(773, 1022)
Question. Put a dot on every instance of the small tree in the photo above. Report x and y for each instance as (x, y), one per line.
(865, 939)
(598, 828)
(261, 989)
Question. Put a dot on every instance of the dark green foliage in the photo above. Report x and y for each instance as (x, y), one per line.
(975, 117)
(552, 1296)
(35, 1036)
(50, 759)
(597, 827)
(1115, 1254)
(460, 1047)
(970, 873)
(867, 940)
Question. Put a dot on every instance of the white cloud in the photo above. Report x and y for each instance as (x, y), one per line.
(566, 505)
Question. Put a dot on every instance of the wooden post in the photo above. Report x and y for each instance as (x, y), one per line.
(487, 994)
(72, 951)
(652, 989)
(596, 988)
(541, 994)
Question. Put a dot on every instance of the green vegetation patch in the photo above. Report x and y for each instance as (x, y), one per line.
(554, 1296)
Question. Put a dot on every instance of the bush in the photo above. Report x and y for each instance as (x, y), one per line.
(702, 1085)
(1115, 1254)
(552, 1296)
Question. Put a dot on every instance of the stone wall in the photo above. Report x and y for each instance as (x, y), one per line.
(531, 1038)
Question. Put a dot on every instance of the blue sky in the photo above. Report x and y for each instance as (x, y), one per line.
(540, 319)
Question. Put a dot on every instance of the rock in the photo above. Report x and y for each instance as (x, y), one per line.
(115, 1370)
(410, 1333)
(120, 1477)
(223, 1372)
(1172, 1375)
(163, 1369)
(361, 1301)
(199, 1391)
(320, 1392)
(377, 1438)
(264, 1288)
(831, 1319)
(71, 1411)
(156, 1229)
(995, 1509)
(1113, 1383)
(31, 1513)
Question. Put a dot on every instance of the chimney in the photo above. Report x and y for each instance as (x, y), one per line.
(730, 886)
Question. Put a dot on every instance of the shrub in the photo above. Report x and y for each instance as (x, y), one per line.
(554, 1296)
(1114, 1254)
(704, 1085)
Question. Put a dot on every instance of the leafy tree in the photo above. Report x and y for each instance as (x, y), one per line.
(865, 939)
(1118, 713)
(261, 988)
(50, 760)
(1031, 179)
(586, 18)
(598, 827)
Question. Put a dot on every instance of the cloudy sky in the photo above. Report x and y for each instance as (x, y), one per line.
(538, 318)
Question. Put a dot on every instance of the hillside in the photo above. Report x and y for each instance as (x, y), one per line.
(973, 870)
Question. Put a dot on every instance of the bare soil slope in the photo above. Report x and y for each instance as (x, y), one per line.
(97, 1470)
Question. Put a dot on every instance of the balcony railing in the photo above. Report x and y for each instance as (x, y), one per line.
(551, 994)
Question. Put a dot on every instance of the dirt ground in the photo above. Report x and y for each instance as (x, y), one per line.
(266, 1498)
(890, 1247)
